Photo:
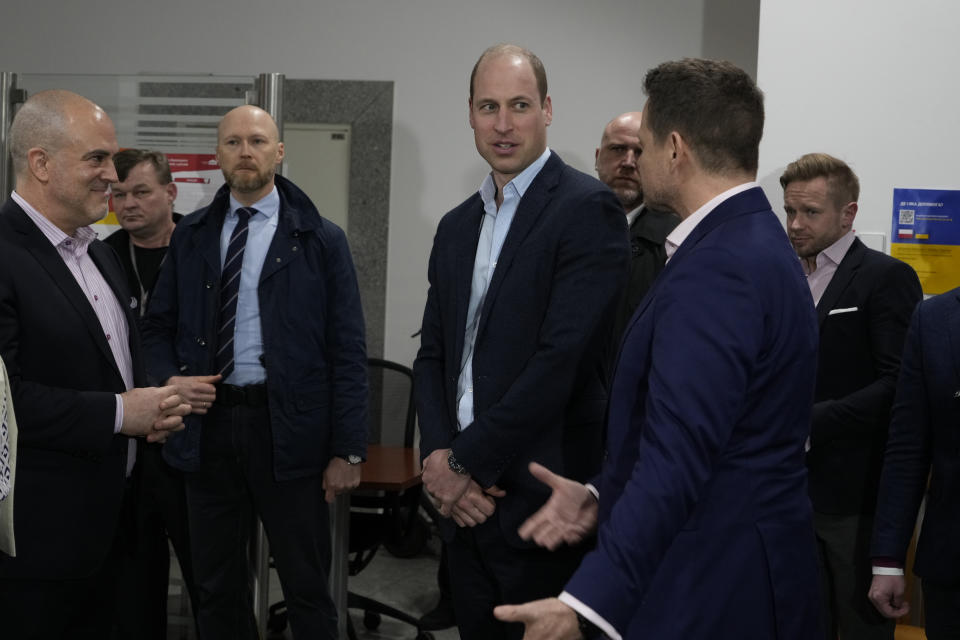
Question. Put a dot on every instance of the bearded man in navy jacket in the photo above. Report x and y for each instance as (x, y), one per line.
(256, 319)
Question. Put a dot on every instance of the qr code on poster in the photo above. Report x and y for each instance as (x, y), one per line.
(906, 216)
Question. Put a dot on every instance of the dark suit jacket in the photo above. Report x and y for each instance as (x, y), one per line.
(70, 465)
(863, 315)
(705, 527)
(648, 233)
(924, 440)
(539, 363)
(120, 241)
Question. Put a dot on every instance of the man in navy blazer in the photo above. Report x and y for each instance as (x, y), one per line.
(704, 522)
(68, 336)
(524, 280)
(278, 382)
(864, 299)
(924, 442)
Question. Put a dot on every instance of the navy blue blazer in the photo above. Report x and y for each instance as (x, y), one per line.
(540, 359)
(924, 442)
(705, 526)
(312, 324)
(70, 464)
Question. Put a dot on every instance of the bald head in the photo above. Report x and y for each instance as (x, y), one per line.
(63, 147)
(616, 159)
(249, 150)
(245, 115)
(45, 121)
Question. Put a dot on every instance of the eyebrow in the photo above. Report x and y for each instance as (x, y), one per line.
(97, 152)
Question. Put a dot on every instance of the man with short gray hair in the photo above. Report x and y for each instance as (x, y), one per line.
(68, 335)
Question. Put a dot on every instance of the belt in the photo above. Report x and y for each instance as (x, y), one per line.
(251, 395)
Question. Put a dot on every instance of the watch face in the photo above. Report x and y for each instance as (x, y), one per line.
(353, 459)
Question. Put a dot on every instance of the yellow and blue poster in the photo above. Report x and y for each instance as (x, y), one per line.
(926, 235)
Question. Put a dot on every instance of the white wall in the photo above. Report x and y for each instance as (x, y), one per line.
(873, 83)
(595, 53)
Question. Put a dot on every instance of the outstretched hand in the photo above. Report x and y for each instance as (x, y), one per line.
(548, 619)
(568, 516)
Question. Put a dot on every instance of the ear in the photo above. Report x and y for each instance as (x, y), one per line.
(596, 157)
(473, 125)
(171, 189)
(548, 110)
(677, 146)
(37, 164)
(848, 213)
(280, 152)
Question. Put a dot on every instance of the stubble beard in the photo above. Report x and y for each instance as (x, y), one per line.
(630, 199)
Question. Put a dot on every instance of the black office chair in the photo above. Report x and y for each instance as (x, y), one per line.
(386, 518)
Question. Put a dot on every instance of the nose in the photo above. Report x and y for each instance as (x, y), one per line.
(504, 122)
(629, 159)
(110, 172)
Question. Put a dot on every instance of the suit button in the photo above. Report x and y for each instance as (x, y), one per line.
(208, 285)
(201, 342)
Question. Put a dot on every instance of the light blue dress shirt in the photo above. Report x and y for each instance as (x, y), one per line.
(512, 193)
(248, 338)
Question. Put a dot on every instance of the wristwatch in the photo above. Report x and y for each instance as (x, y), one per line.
(587, 629)
(352, 459)
(455, 466)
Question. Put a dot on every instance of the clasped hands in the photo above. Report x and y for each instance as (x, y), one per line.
(456, 495)
(152, 412)
(155, 412)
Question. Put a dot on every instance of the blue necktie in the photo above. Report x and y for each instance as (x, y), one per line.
(230, 290)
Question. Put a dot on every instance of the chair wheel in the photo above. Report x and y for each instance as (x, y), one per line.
(424, 635)
(371, 619)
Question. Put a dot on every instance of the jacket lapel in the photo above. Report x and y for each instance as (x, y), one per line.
(116, 279)
(747, 202)
(49, 259)
(529, 210)
(286, 245)
(844, 275)
(468, 235)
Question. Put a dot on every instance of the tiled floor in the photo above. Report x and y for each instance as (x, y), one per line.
(407, 584)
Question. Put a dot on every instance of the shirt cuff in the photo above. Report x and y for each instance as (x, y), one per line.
(592, 489)
(887, 571)
(590, 614)
(118, 419)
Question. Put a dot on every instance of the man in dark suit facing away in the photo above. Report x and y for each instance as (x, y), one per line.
(924, 443)
(68, 336)
(524, 279)
(703, 525)
(864, 299)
